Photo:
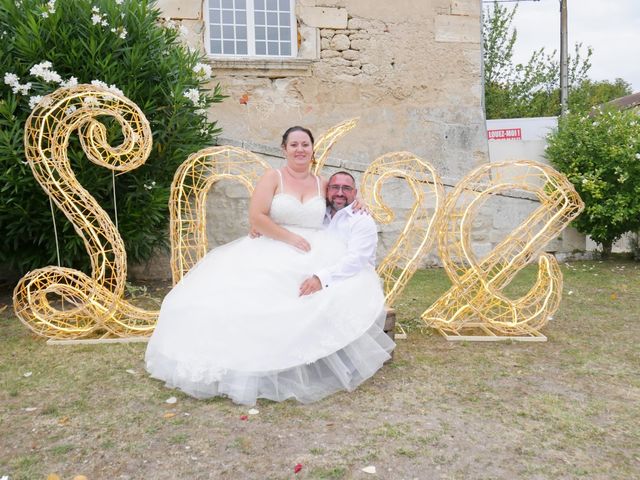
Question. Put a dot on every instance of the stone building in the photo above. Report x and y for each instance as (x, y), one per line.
(411, 70)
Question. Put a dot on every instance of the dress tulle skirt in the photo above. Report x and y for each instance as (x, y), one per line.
(235, 325)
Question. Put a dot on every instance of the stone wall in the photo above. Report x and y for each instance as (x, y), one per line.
(410, 70)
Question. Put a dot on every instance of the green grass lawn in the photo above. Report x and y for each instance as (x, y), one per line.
(567, 408)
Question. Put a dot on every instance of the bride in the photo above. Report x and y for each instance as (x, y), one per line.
(252, 320)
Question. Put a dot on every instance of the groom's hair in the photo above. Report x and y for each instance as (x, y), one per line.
(342, 172)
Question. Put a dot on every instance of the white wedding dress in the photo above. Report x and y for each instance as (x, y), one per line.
(235, 325)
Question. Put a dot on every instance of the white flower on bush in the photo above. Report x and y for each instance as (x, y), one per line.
(120, 31)
(50, 8)
(70, 110)
(114, 89)
(23, 89)
(98, 18)
(119, 2)
(90, 100)
(150, 186)
(203, 70)
(637, 156)
(36, 99)
(33, 101)
(72, 82)
(13, 81)
(110, 88)
(43, 70)
(193, 94)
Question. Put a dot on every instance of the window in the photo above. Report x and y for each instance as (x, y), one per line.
(252, 28)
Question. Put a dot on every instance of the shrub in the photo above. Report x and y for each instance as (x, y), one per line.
(119, 42)
(600, 154)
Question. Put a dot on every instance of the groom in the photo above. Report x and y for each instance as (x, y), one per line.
(356, 230)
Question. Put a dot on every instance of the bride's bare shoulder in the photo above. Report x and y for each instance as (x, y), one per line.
(269, 177)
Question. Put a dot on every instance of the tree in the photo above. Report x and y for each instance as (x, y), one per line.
(498, 40)
(589, 93)
(600, 154)
(533, 89)
(118, 42)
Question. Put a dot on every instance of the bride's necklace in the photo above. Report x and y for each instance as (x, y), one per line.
(299, 176)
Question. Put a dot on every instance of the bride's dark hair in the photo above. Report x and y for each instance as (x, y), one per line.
(296, 128)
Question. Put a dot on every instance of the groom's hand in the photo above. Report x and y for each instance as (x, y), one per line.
(310, 285)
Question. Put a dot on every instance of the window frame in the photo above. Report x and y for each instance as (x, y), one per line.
(251, 40)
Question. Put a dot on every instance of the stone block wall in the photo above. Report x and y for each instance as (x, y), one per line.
(411, 71)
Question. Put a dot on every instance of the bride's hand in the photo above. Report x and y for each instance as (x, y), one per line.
(358, 206)
(299, 242)
(253, 233)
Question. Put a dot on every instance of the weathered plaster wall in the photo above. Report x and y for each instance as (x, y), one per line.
(410, 69)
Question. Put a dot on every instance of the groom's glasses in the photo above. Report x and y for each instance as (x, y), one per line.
(344, 188)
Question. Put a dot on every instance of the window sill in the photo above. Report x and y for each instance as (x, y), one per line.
(261, 67)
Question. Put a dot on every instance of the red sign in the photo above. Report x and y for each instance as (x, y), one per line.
(505, 134)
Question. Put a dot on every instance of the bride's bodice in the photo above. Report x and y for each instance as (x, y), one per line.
(287, 210)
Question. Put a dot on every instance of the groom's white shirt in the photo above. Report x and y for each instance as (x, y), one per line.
(360, 234)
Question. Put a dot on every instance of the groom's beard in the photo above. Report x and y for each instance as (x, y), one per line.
(338, 206)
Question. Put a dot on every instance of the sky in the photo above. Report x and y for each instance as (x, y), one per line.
(610, 27)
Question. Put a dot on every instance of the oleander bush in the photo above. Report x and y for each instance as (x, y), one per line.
(600, 154)
(121, 43)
